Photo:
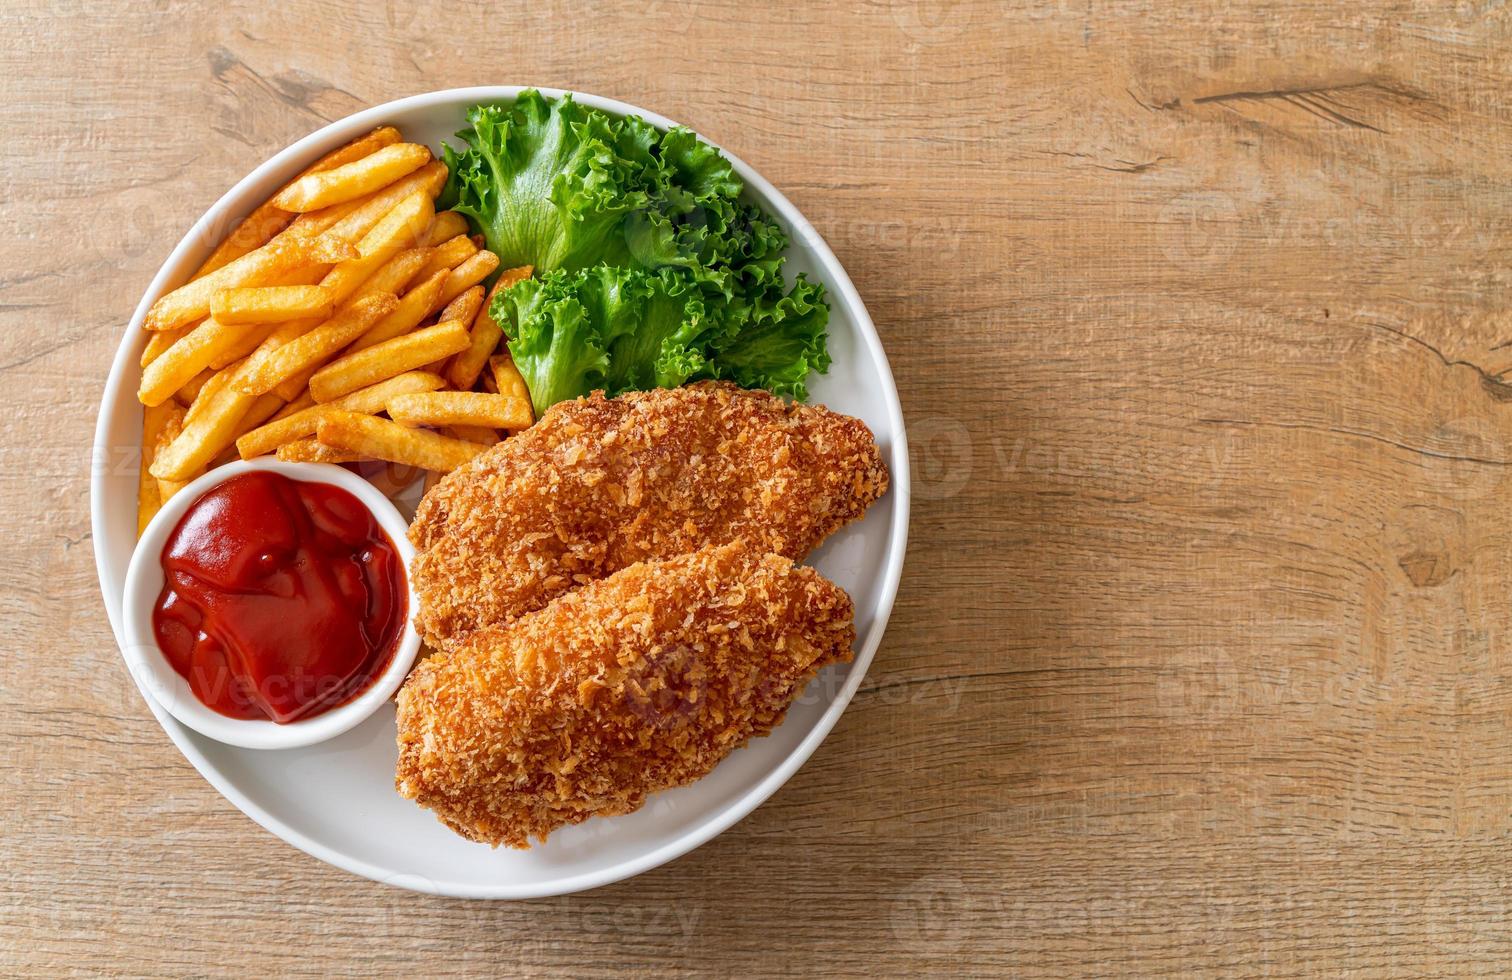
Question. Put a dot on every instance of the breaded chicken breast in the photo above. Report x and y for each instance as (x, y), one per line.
(601, 483)
(633, 684)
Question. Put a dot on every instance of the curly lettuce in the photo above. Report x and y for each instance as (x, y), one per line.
(652, 270)
(619, 330)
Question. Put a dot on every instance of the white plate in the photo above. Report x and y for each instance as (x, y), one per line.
(336, 800)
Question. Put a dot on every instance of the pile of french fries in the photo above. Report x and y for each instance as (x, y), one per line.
(344, 319)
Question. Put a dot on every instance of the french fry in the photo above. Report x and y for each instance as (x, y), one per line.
(296, 385)
(314, 451)
(381, 439)
(480, 434)
(466, 366)
(251, 339)
(149, 499)
(192, 300)
(355, 150)
(269, 304)
(437, 408)
(193, 353)
(395, 232)
(215, 383)
(208, 429)
(190, 392)
(365, 401)
(299, 404)
(385, 360)
(464, 306)
(448, 255)
(222, 458)
(160, 340)
(352, 180)
(508, 380)
(171, 429)
(264, 408)
(250, 233)
(479, 266)
(391, 479)
(428, 180)
(413, 307)
(448, 225)
(267, 220)
(396, 273)
(269, 366)
(281, 334)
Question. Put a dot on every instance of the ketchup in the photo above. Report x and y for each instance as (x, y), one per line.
(281, 600)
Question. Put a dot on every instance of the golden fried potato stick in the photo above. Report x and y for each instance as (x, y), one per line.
(299, 404)
(480, 434)
(479, 266)
(269, 304)
(154, 422)
(393, 234)
(266, 220)
(209, 427)
(437, 408)
(185, 360)
(267, 405)
(389, 278)
(269, 366)
(252, 338)
(413, 307)
(171, 429)
(190, 392)
(352, 180)
(395, 274)
(466, 366)
(428, 180)
(464, 306)
(381, 439)
(508, 381)
(160, 340)
(448, 225)
(448, 255)
(250, 233)
(313, 451)
(355, 150)
(295, 385)
(303, 423)
(283, 255)
(392, 357)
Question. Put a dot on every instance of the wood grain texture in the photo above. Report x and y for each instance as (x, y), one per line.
(1200, 314)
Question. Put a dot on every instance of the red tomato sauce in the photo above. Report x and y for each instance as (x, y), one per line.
(281, 600)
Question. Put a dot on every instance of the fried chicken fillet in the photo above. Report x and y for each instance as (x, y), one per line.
(601, 483)
(632, 684)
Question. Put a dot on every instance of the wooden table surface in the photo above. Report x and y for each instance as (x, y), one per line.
(1200, 317)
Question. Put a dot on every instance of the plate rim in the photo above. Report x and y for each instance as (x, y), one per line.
(835, 276)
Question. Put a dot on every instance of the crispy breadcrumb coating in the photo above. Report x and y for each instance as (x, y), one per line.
(627, 686)
(600, 483)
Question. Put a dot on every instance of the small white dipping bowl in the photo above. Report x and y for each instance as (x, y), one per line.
(144, 583)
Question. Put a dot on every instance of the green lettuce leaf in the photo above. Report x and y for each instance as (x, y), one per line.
(774, 341)
(657, 330)
(556, 185)
(651, 270)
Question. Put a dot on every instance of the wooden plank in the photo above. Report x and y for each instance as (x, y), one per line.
(1199, 313)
